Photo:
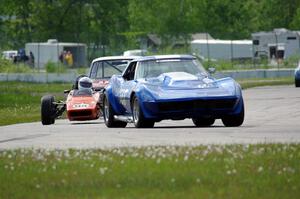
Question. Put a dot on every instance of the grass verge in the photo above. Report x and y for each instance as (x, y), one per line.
(20, 101)
(255, 82)
(233, 171)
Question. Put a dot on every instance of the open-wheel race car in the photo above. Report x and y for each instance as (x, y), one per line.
(176, 87)
(82, 103)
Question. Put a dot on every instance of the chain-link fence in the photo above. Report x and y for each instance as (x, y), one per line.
(275, 51)
(270, 51)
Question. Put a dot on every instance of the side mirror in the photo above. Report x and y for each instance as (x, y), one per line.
(211, 70)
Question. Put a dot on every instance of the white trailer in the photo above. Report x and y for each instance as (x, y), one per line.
(277, 44)
(50, 51)
(222, 49)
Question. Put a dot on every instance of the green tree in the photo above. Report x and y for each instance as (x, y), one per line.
(277, 13)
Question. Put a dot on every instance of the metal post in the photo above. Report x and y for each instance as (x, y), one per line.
(253, 54)
(208, 55)
(38, 56)
(231, 49)
(276, 53)
(58, 66)
(57, 47)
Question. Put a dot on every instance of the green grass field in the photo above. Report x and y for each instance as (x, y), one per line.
(250, 83)
(20, 101)
(230, 171)
(234, 171)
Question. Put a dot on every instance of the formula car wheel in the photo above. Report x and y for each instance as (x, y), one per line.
(48, 110)
(108, 116)
(138, 117)
(203, 122)
(297, 83)
(234, 120)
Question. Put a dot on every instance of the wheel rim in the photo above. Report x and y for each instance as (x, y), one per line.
(136, 111)
(106, 110)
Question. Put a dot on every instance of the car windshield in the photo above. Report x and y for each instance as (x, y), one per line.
(154, 68)
(105, 69)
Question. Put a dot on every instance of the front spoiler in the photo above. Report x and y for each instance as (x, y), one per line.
(181, 109)
(83, 114)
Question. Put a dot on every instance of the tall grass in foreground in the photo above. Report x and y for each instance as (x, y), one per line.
(233, 171)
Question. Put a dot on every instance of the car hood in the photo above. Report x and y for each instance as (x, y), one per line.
(181, 80)
(185, 85)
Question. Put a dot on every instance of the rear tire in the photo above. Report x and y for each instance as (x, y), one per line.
(203, 122)
(234, 120)
(108, 116)
(48, 110)
(138, 116)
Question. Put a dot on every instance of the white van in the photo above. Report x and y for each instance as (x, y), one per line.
(9, 54)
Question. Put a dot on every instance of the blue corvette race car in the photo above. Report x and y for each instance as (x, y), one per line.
(176, 87)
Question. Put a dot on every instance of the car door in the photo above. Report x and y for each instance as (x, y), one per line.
(127, 85)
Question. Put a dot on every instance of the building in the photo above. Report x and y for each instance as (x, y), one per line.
(222, 49)
(51, 50)
(153, 41)
(276, 44)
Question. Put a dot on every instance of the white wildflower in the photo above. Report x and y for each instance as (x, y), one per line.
(279, 172)
(102, 170)
(186, 157)
(158, 161)
(260, 169)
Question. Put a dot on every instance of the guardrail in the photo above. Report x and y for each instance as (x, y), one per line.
(38, 77)
(259, 73)
(70, 77)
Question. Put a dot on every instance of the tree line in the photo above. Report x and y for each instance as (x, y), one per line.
(121, 23)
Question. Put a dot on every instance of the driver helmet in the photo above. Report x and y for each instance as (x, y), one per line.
(85, 83)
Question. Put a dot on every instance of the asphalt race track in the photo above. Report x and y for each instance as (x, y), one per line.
(272, 115)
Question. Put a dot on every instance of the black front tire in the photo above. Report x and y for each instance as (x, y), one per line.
(138, 116)
(48, 110)
(203, 122)
(108, 116)
(235, 120)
